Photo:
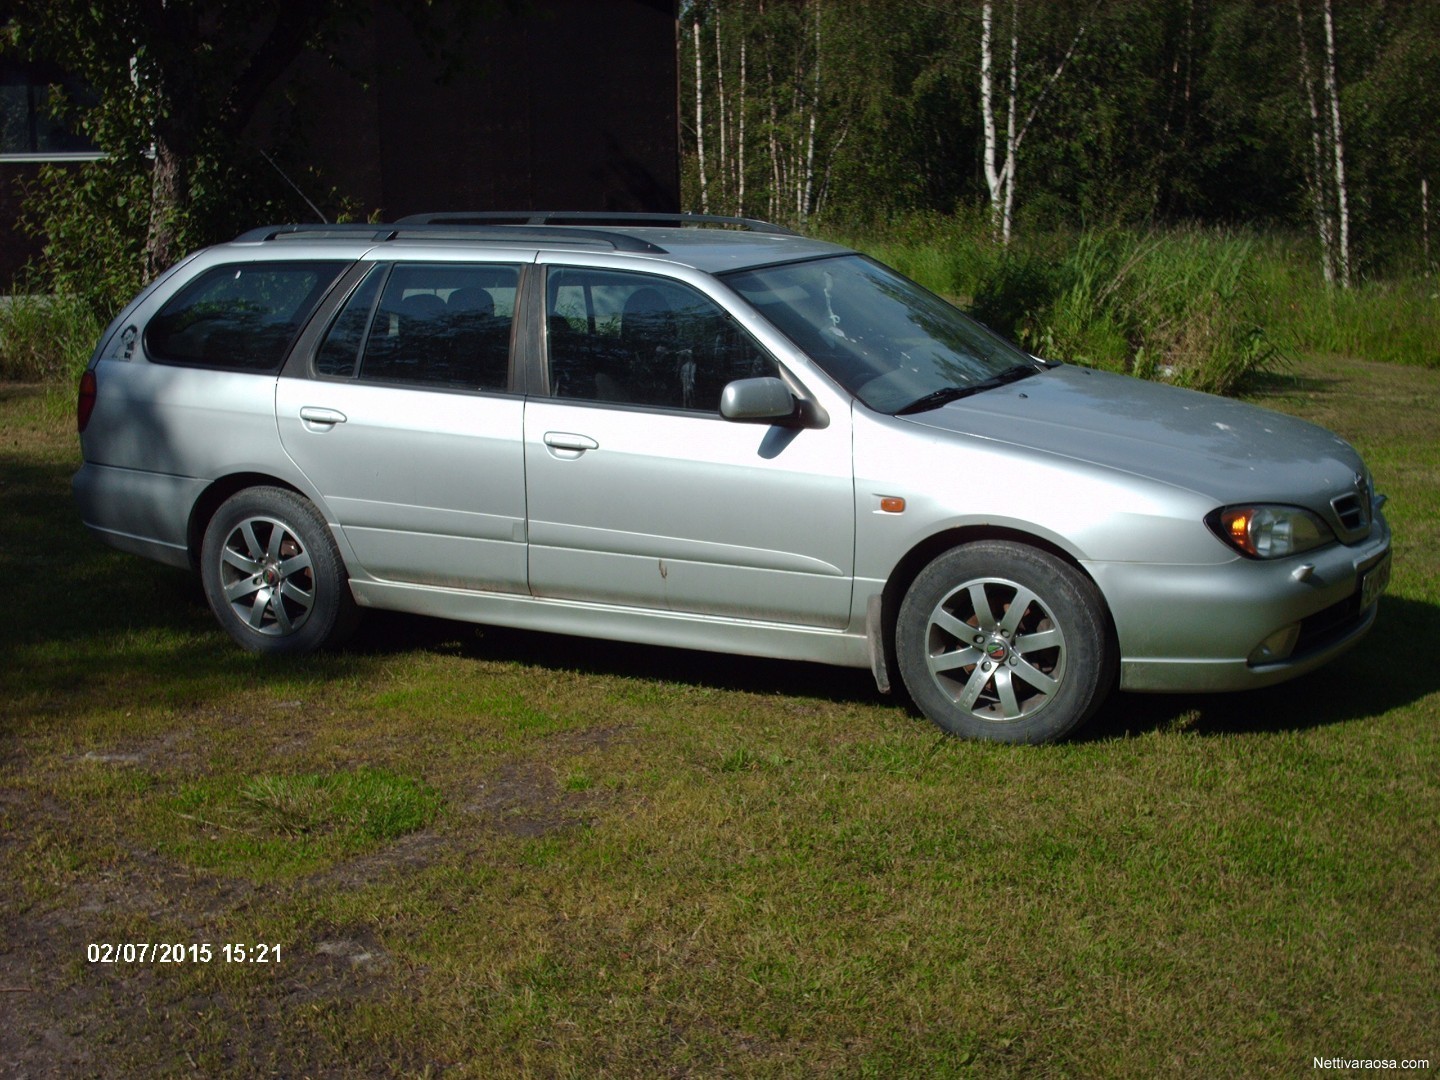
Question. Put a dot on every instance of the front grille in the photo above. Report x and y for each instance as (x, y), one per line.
(1353, 511)
(1328, 626)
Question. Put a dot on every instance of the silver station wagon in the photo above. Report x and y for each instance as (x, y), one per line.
(714, 434)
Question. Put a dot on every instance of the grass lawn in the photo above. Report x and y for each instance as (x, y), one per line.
(472, 852)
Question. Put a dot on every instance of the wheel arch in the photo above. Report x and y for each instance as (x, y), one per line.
(922, 554)
(214, 496)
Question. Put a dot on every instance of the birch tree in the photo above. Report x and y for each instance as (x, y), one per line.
(1337, 148)
(700, 111)
(1000, 176)
(1329, 197)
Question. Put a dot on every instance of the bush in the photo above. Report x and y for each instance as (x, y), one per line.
(45, 338)
(1178, 306)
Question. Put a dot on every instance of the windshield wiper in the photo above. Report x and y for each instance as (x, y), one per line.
(947, 394)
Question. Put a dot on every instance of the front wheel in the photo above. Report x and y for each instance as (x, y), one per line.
(1004, 642)
(273, 575)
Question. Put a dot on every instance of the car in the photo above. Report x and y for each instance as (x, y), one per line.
(716, 434)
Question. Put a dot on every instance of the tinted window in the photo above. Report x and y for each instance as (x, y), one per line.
(339, 353)
(239, 317)
(444, 325)
(640, 340)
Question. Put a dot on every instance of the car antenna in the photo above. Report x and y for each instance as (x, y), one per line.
(296, 187)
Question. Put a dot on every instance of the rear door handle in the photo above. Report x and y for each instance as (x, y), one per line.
(565, 440)
(316, 415)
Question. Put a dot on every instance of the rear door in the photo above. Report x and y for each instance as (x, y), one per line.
(404, 420)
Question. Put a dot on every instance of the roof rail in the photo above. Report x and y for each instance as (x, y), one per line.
(316, 231)
(452, 227)
(593, 217)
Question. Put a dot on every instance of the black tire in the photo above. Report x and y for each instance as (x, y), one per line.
(982, 667)
(273, 575)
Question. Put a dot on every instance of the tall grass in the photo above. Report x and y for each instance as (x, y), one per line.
(1396, 320)
(1177, 306)
(1201, 308)
(45, 338)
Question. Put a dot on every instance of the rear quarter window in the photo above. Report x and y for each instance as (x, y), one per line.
(239, 317)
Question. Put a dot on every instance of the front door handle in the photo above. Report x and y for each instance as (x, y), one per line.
(315, 415)
(565, 440)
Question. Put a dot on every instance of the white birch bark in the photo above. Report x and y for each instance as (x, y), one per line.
(805, 203)
(1425, 220)
(1012, 141)
(993, 177)
(1337, 147)
(700, 117)
(1319, 189)
(740, 139)
(723, 133)
(1000, 178)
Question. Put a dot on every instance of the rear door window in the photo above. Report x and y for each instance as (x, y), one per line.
(239, 317)
(444, 325)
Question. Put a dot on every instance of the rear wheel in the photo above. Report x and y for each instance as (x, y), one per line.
(1002, 641)
(273, 575)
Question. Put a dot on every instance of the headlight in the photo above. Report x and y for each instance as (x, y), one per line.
(1269, 532)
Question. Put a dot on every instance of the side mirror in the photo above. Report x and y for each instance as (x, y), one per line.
(757, 399)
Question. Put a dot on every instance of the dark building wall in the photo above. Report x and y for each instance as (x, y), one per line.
(571, 105)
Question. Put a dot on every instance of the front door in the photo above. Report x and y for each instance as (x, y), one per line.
(640, 494)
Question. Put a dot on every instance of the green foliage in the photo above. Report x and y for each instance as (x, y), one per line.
(1176, 306)
(1184, 306)
(1397, 320)
(177, 87)
(93, 220)
(1167, 112)
(45, 338)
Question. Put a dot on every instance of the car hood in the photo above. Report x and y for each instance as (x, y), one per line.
(1227, 450)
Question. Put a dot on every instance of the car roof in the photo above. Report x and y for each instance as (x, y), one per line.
(689, 240)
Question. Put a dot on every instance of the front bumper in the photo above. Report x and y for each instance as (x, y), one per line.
(1200, 628)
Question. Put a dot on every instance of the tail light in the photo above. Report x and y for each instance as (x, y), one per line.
(85, 404)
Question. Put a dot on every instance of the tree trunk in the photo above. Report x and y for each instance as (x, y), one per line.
(700, 118)
(740, 136)
(1337, 146)
(993, 178)
(1425, 220)
(1319, 189)
(1000, 179)
(775, 166)
(168, 194)
(723, 132)
(1012, 142)
(805, 203)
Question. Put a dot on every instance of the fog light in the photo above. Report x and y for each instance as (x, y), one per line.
(1278, 646)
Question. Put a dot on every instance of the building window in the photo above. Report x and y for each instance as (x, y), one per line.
(28, 131)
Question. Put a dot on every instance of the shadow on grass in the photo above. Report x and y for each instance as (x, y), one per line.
(1288, 381)
(1392, 667)
(384, 632)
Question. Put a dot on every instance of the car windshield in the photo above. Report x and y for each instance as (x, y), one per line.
(892, 344)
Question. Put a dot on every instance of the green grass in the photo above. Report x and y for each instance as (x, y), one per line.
(489, 852)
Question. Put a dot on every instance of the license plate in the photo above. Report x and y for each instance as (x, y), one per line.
(1374, 582)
